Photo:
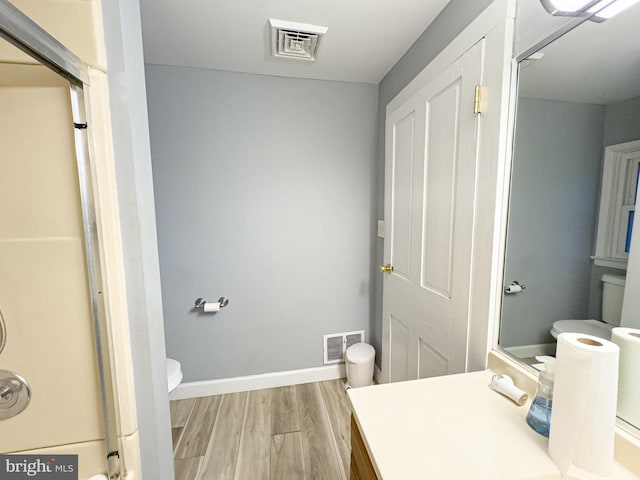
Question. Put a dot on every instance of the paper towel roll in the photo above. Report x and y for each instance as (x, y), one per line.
(628, 339)
(210, 307)
(583, 416)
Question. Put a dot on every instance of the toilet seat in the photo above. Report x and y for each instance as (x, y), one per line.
(174, 374)
(588, 327)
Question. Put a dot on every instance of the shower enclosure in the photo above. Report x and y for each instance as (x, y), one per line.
(58, 393)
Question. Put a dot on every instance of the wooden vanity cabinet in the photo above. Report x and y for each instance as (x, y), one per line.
(361, 466)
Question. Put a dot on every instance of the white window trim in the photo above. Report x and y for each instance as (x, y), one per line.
(614, 181)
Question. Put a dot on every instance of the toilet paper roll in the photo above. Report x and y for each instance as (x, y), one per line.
(513, 289)
(628, 339)
(210, 307)
(583, 415)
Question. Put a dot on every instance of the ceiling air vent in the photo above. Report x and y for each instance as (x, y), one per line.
(295, 40)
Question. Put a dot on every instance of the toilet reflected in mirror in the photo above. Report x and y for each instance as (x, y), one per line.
(612, 296)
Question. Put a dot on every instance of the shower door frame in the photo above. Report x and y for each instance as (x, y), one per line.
(25, 34)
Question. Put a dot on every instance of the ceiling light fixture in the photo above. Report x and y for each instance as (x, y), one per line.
(613, 9)
(598, 10)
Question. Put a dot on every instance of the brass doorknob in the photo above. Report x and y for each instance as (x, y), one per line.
(386, 268)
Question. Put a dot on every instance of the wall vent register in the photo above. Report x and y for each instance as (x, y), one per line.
(336, 344)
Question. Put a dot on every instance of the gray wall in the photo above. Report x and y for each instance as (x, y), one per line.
(552, 213)
(264, 194)
(453, 19)
(123, 39)
(622, 122)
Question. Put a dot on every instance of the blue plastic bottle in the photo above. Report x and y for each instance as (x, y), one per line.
(539, 416)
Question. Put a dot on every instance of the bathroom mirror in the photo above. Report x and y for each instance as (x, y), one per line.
(576, 96)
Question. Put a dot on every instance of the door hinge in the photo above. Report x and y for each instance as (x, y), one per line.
(477, 99)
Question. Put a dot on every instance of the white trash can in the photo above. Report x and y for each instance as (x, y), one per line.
(359, 360)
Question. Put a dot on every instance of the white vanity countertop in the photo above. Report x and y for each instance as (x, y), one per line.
(449, 428)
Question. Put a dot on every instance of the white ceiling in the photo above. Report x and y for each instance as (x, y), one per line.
(365, 38)
(595, 63)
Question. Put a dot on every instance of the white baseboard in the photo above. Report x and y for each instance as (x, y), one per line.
(525, 351)
(257, 382)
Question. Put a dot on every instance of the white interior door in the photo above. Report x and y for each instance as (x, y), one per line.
(431, 152)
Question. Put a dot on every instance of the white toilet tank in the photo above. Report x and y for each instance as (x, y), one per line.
(612, 295)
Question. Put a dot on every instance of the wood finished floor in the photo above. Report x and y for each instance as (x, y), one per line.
(299, 432)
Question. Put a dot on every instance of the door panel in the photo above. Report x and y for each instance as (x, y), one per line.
(439, 197)
(431, 363)
(437, 150)
(404, 134)
(399, 349)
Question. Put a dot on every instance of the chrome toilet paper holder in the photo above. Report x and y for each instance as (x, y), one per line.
(223, 301)
(514, 287)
